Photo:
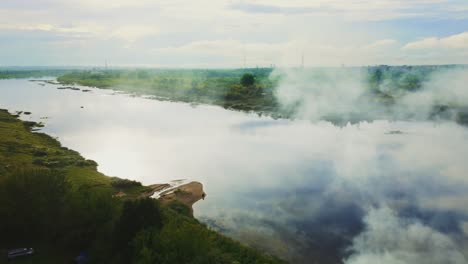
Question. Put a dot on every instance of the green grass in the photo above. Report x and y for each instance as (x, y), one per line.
(22, 149)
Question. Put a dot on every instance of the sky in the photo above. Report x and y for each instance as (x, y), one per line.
(231, 33)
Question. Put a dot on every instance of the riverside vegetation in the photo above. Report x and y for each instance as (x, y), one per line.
(57, 202)
(254, 89)
(218, 87)
(251, 89)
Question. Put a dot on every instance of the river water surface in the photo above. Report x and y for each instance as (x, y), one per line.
(362, 193)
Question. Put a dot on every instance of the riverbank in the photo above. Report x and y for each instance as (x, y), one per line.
(22, 149)
(284, 93)
(214, 87)
(55, 200)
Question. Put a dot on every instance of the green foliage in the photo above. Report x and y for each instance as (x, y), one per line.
(247, 79)
(182, 239)
(248, 89)
(31, 201)
(84, 163)
(180, 208)
(136, 216)
(90, 219)
(219, 87)
(399, 79)
(41, 207)
(411, 82)
(19, 148)
(124, 183)
(18, 72)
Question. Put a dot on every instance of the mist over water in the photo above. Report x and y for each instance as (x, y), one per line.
(375, 93)
(392, 189)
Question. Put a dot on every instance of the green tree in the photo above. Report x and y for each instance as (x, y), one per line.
(137, 215)
(247, 79)
(32, 203)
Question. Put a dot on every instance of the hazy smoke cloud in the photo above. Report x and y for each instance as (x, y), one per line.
(443, 88)
(388, 239)
(320, 93)
(344, 94)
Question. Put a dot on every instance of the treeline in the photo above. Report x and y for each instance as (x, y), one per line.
(40, 207)
(406, 78)
(18, 73)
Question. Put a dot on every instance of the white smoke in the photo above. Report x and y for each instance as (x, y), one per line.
(389, 239)
(344, 94)
(320, 93)
(444, 88)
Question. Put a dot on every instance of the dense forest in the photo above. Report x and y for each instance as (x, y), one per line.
(56, 201)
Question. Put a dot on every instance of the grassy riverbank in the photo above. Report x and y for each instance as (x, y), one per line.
(218, 87)
(57, 202)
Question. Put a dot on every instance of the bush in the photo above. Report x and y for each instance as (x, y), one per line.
(180, 208)
(40, 152)
(137, 216)
(32, 204)
(84, 163)
(247, 79)
(124, 183)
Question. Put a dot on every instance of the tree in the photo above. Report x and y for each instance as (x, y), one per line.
(32, 202)
(247, 79)
(137, 216)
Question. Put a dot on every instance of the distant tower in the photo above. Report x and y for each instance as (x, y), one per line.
(245, 64)
(302, 61)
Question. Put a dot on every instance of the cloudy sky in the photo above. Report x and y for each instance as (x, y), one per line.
(218, 33)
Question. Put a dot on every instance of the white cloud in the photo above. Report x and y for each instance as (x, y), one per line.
(48, 27)
(458, 41)
(128, 33)
(134, 33)
(109, 4)
(381, 43)
(360, 10)
(266, 31)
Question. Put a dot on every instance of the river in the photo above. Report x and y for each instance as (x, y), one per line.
(299, 189)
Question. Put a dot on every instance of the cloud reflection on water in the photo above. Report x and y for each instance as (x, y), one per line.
(296, 188)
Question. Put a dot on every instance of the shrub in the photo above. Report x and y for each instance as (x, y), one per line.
(247, 79)
(124, 183)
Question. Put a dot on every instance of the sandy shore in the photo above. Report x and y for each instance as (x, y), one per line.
(186, 193)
